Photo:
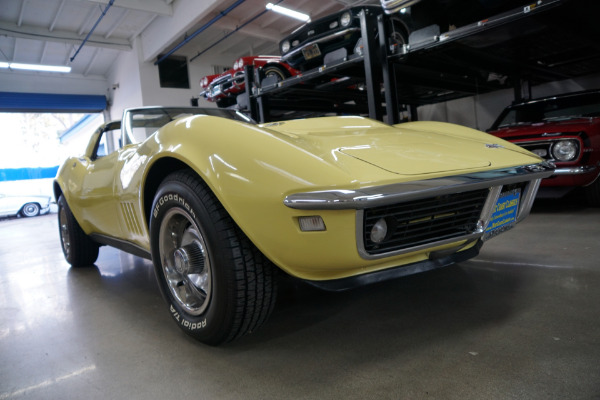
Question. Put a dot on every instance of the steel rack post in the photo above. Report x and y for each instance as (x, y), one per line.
(249, 98)
(371, 61)
(389, 78)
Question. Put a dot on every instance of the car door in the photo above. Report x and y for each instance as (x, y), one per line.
(97, 170)
(7, 205)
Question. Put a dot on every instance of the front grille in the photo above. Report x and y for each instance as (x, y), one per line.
(424, 221)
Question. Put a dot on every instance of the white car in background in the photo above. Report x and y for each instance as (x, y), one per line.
(27, 206)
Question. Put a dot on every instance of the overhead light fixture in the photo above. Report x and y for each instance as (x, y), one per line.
(36, 67)
(287, 12)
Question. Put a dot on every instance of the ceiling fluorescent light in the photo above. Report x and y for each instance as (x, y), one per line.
(290, 13)
(38, 67)
(3, 65)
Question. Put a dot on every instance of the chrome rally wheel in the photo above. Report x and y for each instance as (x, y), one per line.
(64, 232)
(185, 262)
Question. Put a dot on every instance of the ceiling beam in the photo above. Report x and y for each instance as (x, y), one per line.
(60, 7)
(92, 62)
(38, 33)
(146, 24)
(164, 33)
(22, 12)
(159, 7)
(121, 18)
(231, 43)
(88, 20)
(231, 24)
(328, 8)
(43, 52)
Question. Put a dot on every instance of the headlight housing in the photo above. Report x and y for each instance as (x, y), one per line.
(565, 150)
(285, 46)
(346, 18)
(379, 231)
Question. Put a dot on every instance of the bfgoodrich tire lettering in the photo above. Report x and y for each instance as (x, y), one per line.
(217, 284)
(78, 248)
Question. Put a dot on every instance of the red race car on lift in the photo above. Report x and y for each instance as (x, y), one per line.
(224, 88)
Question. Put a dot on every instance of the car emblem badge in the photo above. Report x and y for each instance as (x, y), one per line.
(494, 146)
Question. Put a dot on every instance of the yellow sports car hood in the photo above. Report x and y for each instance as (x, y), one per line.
(405, 149)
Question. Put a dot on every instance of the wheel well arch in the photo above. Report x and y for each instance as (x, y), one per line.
(57, 190)
(157, 173)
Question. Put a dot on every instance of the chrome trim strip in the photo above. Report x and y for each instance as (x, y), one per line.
(220, 80)
(527, 198)
(489, 208)
(393, 6)
(399, 192)
(575, 170)
(319, 40)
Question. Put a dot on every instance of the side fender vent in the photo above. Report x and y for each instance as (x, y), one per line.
(131, 221)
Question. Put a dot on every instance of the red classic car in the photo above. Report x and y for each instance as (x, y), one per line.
(224, 88)
(564, 129)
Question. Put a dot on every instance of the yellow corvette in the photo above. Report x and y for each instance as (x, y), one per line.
(220, 204)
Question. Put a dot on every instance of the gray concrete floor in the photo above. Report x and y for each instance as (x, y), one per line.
(520, 321)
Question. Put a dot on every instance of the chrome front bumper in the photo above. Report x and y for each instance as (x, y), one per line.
(575, 170)
(413, 190)
(363, 199)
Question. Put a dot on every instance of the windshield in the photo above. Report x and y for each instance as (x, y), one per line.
(142, 122)
(555, 109)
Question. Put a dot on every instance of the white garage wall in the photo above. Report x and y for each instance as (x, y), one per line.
(136, 82)
(481, 111)
(124, 86)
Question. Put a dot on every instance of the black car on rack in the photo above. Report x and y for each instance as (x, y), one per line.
(336, 37)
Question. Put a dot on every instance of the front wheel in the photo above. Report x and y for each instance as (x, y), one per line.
(216, 282)
(30, 210)
(276, 72)
(79, 249)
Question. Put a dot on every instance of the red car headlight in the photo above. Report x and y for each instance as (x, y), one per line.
(565, 150)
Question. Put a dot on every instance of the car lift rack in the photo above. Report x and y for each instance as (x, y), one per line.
(540, 42)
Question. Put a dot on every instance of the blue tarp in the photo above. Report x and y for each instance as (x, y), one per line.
(18, 174)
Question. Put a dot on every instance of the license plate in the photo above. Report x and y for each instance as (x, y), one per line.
(311, 51)
(505, 213)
